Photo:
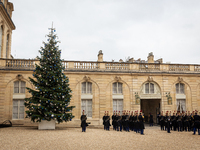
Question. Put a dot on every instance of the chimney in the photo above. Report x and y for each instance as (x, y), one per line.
(151, 58)
(100, 56)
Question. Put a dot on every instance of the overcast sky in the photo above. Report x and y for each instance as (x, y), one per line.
(120, 28)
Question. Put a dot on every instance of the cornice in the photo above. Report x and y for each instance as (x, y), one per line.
(7, 16)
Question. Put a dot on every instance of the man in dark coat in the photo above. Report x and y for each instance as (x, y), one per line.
(196, 123)
(168, 122)
(141, 123)
(114, 120)
(150, 119)
(83, 121)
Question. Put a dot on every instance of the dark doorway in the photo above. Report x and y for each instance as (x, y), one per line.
(150, 106)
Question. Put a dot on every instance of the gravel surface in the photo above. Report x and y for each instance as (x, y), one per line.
(30, 138)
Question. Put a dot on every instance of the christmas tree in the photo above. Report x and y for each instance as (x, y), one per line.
(51, 96)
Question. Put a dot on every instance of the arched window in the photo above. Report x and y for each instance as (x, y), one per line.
(1, 37)
(180, 88)
(117, 88)
(149, 88)
(19, 87)
(7, 46)
(86, 88)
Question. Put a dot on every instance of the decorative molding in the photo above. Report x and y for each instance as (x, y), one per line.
(117, 78)
(86, 78)
(180, 79)
(19, 77)
(150, 79)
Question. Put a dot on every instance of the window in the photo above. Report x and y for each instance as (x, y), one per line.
(118, 105)
(19, 87)
(86, 105)
(117, 88)
(180, 88)
(1, 35)
(7, 46)
(18, 109)
(86, 87)
(149, 88)
(181, 107)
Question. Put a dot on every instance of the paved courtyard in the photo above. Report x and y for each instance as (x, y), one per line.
(30, 138)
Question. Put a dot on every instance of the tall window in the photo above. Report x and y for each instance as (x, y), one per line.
(7, 46)
(1, 35)
(86, 105)
(118, 105)
(180, 88)
(117, 88)
(19, 87)
(181, 106)
(18, 109)
(87, 87)
(149, 88)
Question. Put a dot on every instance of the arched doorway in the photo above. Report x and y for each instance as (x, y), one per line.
(150, 98)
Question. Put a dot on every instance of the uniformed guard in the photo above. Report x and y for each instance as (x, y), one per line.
(104, 119)
(114, 121)
(162, 121)
(127, 122)
(123, 121)
(168, 122)
(83, 121)
(173, 119)
(131, 118)
(107, 121)
(141, 123)
(179, 121)
(119, 122)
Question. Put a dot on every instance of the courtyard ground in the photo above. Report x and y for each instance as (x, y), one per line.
(64, 138)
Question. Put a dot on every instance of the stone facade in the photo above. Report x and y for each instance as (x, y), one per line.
(152, 86)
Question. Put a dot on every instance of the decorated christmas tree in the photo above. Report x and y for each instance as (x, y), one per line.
(51, 96)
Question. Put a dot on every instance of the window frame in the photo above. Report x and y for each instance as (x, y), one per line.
(88, 88)
(179, 89)
(20, 87)
(117, 88)
(86, 110)
(18, 109)
(149, 88)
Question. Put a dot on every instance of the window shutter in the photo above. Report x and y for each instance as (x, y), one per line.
(120, 88)
(84, 87)
(151, 88)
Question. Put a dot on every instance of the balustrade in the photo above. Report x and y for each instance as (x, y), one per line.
(86, 65)
(149, 67)
(179, 67)
(117, 66)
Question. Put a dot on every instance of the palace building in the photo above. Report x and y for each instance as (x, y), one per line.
(98, 86)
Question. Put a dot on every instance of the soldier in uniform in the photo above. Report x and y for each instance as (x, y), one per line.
(173, 119)
(83, 121)
(123, 121)
(104, 119)
(141, 123)
(162, 121)
(119, 122)
(127, 122)
(114, 121)
(107, 121)
(131, 118)
(168, 122)
(179, 122)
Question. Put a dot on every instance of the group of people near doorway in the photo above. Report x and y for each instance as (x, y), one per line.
(125, 122)
(184, 121)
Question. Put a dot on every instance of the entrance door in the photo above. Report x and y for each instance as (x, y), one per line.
(150, 106)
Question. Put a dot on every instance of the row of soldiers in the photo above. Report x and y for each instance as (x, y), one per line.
(185, 121)
(126, 122)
